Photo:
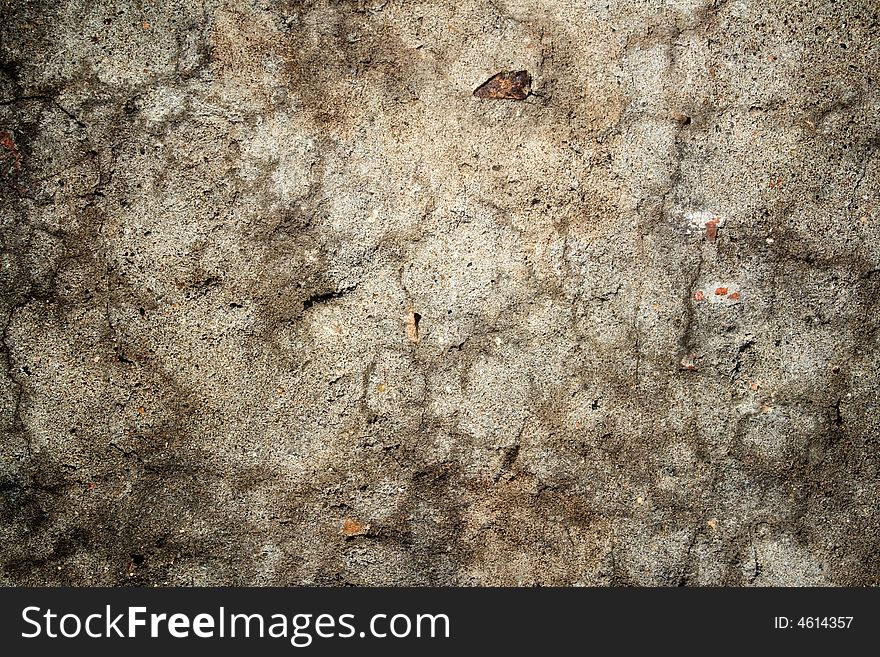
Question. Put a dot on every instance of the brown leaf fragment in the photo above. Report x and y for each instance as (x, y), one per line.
(506, 85)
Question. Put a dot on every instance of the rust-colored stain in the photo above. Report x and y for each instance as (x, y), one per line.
(720, 291)
(412, 325)
(352, 527)
(733, 296)
(699, 296)
(10, 159)
(712, 229)
(506, 85)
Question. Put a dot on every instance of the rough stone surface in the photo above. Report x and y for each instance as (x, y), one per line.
(284, 303)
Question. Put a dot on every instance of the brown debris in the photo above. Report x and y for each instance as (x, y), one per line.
(712, 229)
(506, 85)
(680, 118)
(352, 527)
(720, 291)
(412, 325)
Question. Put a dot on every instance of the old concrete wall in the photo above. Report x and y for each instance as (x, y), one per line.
(284, 303)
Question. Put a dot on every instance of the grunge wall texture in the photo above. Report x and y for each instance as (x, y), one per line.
(284, 303)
